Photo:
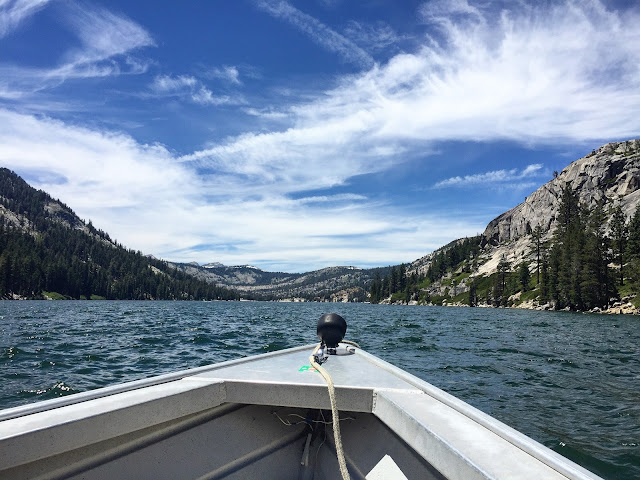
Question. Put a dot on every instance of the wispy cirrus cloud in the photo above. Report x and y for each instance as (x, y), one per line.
(268, 113)
(186, 86)
(318, 32)
(106, 43)
(227, 73)
(103, 36)
(350, 197)
(377, 36)
(553, 74)
(490, 179)
(166, 83)
(442, 11)
(522, 79)
(14, 12)
(149, 201)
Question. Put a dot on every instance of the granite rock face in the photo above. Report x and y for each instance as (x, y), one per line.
(610, 174)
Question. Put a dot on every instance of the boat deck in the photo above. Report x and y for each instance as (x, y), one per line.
(262, 417)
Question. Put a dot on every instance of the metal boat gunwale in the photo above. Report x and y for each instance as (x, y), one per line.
(22, 410)
(454, 437)
(519, 439)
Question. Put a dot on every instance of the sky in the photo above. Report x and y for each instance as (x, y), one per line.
(297, 135)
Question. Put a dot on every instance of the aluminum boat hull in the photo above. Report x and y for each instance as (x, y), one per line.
(264, 417)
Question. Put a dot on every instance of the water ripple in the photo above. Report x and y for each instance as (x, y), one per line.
(568, 380)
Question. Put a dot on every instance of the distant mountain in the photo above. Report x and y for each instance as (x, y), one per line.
(46, 251)
(213, 265)
(328, 284)
(459, 272)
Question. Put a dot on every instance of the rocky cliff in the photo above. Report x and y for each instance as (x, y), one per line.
(610, 174)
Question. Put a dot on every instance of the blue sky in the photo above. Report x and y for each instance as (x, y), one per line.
(295, 135)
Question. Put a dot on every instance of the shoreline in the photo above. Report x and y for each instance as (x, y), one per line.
(618, 308)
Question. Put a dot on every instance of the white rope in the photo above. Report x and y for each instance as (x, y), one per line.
(334, 413)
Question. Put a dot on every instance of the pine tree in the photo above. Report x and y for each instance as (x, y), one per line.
(619, 235)
(384, 288)
(402, 278)
(544, 280)
(393, 281)
(596, 285)
(633, 239)
(633, 250)
(500, 292)
(536, 235)
(376, 287)
(473, 292)
(524, 276)
(565, 256)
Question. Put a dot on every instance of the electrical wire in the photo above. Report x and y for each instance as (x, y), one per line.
(316, 421)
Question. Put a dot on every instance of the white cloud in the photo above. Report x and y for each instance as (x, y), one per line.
(148, 201)
(14, 12)
(557, 74)
(120, 168)
(297, 159)
(377, 36)
(189, 87)
(268, 113)
(533, 169)
(228, 73)
(332, 198)
(204, 96)
(104, 35)
(561, 73)
(318, 32)
(489, 179)
(166, 83)
(440, 11)
(106, 41)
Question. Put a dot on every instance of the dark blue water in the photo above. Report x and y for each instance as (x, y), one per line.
(571, 381)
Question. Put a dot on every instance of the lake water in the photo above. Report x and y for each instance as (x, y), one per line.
(570, 381)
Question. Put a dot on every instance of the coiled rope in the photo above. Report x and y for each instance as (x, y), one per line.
(334, 410)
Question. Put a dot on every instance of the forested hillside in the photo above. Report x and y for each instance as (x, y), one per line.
(406, 284)
(332, 284)
(47, 251)
(590, 262)
(573, 244)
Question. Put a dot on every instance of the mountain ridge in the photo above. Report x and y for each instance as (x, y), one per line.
(46, 251)
(339, 283)
(609, 176)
